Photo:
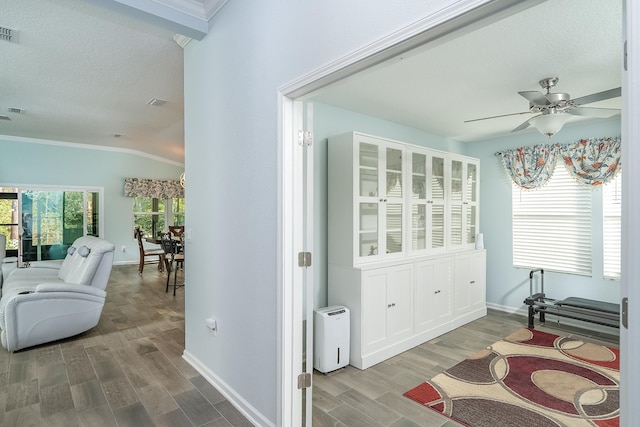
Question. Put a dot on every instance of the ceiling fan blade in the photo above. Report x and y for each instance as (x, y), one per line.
(522, 126)
(600, 96)
(495, 117)
(535, 97)
(594, 112)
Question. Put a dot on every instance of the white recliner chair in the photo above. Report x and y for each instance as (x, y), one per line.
(52, 300)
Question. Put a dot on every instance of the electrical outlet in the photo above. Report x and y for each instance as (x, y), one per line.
(124, 248)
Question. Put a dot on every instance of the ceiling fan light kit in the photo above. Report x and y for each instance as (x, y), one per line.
(549, 123)
(557, 108)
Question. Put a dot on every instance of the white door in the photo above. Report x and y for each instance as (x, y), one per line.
(629, 289)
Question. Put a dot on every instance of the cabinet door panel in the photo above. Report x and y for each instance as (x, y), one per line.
(399, 303)
(432, 299)
(374, 310)
(477, 282)
(461, 295)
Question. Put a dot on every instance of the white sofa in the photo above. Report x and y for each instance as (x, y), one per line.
(52, 300)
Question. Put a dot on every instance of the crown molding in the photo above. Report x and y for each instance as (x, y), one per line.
(81, 146)
(200, 9)
(186, 17)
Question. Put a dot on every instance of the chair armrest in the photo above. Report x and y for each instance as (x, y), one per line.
(71, 288)
(46, 264)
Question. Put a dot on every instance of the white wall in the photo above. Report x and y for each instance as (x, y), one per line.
(39, 162)
(232, 78)
(507, 287)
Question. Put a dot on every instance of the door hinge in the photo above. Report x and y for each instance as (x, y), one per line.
(304, 259)
(625, 55)
(305, 138)
(304, 380)
(625, 312)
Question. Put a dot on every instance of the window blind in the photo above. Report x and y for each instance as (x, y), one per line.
(552, 226)
(611, 225)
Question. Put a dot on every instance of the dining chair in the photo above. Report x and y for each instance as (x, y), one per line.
(173, 258)
(147, 255)
(176, 230)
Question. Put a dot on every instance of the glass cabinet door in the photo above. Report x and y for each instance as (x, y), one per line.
(368, 229)
(418, 201)
(381, 199)
(437, 202)
(471, 203)
(427, 201)
(464, 203)
(455, 236)
(368, 170)
(369, 160)
(393, 201)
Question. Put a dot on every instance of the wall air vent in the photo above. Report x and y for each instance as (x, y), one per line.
(8, 34)
(15, 110)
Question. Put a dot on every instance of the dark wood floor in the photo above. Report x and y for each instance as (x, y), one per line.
(373, 397)
(128, 371)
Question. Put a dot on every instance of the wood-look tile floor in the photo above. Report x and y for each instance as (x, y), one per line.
(127, 371)
(373, 397)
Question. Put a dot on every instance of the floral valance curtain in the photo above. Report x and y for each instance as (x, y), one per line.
(590, 161)
(530, 167)
(156, 188)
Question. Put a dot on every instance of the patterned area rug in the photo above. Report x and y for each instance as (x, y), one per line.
(531, 378)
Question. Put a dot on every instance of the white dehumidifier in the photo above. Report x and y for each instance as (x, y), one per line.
(331, 338)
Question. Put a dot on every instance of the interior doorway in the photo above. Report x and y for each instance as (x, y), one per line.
(467, 16)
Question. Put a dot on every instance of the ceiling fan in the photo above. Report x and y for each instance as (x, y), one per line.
(556, 108)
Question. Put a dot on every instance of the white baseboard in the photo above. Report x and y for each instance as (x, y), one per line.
(249, 412)
(552, 320)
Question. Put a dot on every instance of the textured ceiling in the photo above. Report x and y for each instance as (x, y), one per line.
(82, 73)
(478, 74)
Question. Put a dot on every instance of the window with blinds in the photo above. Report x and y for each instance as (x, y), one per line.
(611, 225)
(552, 226)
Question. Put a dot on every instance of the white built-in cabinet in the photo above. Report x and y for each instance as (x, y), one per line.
(402, 224)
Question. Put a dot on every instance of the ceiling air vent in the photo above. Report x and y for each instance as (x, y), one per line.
(8, 34)
(156, 102)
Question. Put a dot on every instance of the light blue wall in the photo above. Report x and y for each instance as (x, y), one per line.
(36, 162)
(329, 121)
(508, 286)
(232, 78)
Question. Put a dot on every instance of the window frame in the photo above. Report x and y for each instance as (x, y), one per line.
(612, 228)
(168, 215)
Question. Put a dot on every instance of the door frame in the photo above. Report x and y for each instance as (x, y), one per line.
(462, 14)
